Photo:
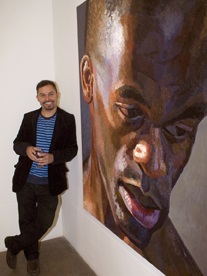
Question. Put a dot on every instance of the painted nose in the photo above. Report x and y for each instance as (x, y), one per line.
(150, 155)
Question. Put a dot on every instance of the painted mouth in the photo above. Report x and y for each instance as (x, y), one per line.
(145, 216)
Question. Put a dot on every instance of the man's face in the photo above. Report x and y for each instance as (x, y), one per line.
(47, 97)
(145, 114)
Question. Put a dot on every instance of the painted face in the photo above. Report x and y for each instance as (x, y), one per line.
(145, 111)
(47, 97)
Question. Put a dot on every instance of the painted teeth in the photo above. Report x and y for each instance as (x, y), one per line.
(127, 199)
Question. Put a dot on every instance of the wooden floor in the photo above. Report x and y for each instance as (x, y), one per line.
(57, 258)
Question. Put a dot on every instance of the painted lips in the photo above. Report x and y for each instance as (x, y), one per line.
(146, 217)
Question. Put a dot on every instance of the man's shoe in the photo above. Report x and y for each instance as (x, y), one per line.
(33, 267)
(11, 259)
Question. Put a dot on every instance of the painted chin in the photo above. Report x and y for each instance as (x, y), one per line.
(148, 218)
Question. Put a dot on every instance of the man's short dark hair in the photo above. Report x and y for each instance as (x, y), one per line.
(46, 82)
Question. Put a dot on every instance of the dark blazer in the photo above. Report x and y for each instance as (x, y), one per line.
(63, 147)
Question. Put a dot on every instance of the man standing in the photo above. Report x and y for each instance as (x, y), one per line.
(144, 76)
(45, 142)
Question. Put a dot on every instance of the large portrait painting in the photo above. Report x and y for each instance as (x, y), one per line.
(143, 76)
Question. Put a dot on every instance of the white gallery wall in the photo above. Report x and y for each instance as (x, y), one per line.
(39, 41)
(26, 57)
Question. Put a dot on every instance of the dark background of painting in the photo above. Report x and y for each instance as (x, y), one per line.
(85, 111)
(188, 205)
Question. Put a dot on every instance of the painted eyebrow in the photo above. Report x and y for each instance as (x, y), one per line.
(127, 91)
(197, 112)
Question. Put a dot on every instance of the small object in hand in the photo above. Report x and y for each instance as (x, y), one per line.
(38, 152)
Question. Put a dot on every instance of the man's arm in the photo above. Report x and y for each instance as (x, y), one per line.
(21, 142)
(70, 147)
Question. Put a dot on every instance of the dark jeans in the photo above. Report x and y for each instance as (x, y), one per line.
(36, 208)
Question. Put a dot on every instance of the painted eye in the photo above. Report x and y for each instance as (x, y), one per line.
(129, 111)
(178, 132)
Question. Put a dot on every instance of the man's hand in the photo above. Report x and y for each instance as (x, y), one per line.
(31, 152)
(43, 158)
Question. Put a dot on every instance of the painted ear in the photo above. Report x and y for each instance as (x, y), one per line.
(86, 78)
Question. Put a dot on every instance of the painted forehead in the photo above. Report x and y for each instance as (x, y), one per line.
(160, 31)
(167, 17)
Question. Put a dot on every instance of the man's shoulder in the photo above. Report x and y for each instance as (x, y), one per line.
(32, 113)
(62, 112)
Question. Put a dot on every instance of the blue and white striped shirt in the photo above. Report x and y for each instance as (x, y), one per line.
(45, 128)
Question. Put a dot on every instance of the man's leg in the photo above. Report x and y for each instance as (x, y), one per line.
(45, 213)
(46, 206)
(27, 202)
(27, 212)
(36, 214)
